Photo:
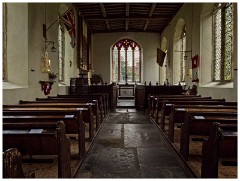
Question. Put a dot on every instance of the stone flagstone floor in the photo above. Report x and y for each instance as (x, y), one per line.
(129, 145)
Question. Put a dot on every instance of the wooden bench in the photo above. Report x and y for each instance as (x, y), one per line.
(159, 101)
(87, 112)
(178, 112)
(222, 142)
(12, 165)
(196, 123)
(166, 107)
(152, 99)
(142, 92)
(72, 117)
(50, 141)
(98, 110)
(104, 96)
(83, 103)
(101, 98)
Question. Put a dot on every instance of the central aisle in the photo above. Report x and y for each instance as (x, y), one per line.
(129, 145)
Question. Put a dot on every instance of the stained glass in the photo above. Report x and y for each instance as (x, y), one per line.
(228, 43)
(115, 65)
(217, 44)
(122, 65)
(60, 53)
(183, 55)
(129, 64)
(137, 64)
(223, 58)
(129, 61)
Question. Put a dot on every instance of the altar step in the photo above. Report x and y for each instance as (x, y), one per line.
(125, 97)
(126, 103)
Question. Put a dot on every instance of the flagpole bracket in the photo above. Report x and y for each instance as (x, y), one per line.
(45, 29)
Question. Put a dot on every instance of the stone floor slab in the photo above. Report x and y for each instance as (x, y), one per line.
(162, 172)
(129, 145)
(142, 135)
(158, 157)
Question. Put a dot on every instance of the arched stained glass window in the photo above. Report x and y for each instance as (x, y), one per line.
(126, 61)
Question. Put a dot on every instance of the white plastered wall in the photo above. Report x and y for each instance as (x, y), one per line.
(149, 42)
(197, 34)
(26, 47)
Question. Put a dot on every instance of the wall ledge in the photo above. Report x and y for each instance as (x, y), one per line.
(9, 85)
(63, 84)
(217, 85)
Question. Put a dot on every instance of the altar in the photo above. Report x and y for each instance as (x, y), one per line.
(126, 90)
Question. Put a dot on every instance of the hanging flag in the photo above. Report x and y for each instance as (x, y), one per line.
(69, 22)
(195, 63)
(160, 57)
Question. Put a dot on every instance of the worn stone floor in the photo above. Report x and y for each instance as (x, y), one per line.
(129, 145)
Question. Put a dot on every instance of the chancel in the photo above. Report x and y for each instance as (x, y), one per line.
(120, 90)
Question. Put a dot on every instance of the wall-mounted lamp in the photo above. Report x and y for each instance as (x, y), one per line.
(53, 49)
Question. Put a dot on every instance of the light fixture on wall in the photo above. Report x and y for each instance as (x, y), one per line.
(53, 49)
(45, 61)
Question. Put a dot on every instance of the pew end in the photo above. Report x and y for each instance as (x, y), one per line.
(12, 165)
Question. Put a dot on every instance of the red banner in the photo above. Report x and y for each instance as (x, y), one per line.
(195, 65)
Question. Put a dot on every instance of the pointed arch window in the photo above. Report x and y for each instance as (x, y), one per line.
(223, 41)
(126, 61)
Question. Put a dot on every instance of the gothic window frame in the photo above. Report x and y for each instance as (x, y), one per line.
(127, 47)
(220, 63)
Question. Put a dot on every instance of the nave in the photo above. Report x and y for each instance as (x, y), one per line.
(129, 145)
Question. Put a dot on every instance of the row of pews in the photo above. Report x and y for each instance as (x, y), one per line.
(212, 122)
(47, 126)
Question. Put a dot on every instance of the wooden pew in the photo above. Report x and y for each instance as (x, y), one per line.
(105, 99)
(101, 98)
(167, 106)
(87, 112)
(199, 124)
(12, 165)
(51, 141)
(158, 101)
(178, 112)
(93, 103)
(222, 142)
(142, 92)
(72, 117)
(98, 110)
(153, 98)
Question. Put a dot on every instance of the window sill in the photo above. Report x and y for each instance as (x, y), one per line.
(63, 84)
(8, 85)
(218, 85)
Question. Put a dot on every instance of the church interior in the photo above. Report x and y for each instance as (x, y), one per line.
(119, 90)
